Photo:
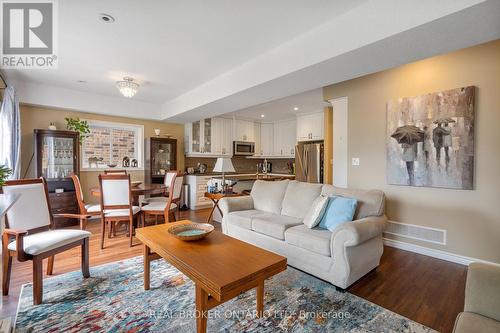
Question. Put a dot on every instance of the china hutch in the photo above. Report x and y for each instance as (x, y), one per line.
(57, 156)
(162, 158)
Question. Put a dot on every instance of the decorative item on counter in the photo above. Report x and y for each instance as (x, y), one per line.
(52, 126)
(94, 160)
(80, 126)
(157, 132)
(112, 165)
(224, 165)
(126, 161)
(202, 167)
(190, 170)
(134, 163)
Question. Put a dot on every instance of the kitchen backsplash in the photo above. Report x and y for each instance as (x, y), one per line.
(241, 164)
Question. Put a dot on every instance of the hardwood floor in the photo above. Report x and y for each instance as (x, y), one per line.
(427, 290)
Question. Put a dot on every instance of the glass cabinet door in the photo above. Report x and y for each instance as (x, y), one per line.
(58, 157)
(163, 155)
(196, 132)
(207, 135)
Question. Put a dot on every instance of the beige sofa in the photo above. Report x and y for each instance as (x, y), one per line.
(482, 300)
(271, 218)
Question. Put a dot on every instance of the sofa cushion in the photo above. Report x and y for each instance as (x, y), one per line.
(268, 196)
(471, 322)
(315, 240)
(339, 210)
(370, 202)
(242, 218)
(299, 197)
(273, 225)
(316, 211)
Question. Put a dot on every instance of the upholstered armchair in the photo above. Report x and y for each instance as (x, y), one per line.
(30, 234)
(170, 206)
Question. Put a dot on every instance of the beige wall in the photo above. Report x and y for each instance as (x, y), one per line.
(471, 218)
(35, 117)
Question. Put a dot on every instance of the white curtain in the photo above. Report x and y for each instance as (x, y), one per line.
(10, 132)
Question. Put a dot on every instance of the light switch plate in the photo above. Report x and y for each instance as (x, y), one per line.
(355, 161)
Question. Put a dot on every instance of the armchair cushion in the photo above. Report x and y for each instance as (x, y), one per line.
(121, 212)
(482, 290)
(48, 240)
(93, 208)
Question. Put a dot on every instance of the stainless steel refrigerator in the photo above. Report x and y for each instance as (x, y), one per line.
(309, 162)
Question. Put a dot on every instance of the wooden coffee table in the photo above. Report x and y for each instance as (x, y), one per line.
(220, 266)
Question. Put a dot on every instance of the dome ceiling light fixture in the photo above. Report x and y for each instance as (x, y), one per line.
(127, 87)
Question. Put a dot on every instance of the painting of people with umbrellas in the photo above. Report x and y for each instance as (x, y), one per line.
(430, 139)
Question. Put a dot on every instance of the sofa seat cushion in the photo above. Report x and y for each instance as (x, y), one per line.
(242, 218)
(471, 322)
(48, 240)
(315, 240)
(299, 197)
(273, 225)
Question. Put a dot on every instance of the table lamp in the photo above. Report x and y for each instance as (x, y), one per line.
(223, 165)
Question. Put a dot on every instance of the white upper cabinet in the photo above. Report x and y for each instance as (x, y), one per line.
(244, 130)
(285, 138)
(211, 136)
(256, 132)
(310, 127)
(266, 140)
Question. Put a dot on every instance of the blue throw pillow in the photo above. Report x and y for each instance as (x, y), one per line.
(339, 210)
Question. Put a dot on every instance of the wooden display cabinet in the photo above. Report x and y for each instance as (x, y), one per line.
(162, 158)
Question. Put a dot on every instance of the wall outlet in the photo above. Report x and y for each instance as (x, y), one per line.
(355, 161)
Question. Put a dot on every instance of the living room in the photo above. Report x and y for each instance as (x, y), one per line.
(228, 173)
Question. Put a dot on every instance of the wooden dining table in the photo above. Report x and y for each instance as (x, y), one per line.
(142, 189)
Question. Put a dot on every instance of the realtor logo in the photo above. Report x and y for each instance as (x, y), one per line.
(28, 34)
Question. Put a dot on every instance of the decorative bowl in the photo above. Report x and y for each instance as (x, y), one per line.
(112, 165)
(135, 183)
(192, 231)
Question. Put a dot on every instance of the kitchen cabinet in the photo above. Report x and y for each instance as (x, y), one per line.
(285, 138)
(258, 141)
(266, 139)
(244, 130)
(222, 137)
(209, 137)
(310, 127)
(197, 188)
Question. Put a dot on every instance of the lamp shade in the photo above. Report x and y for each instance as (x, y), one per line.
(224, 165)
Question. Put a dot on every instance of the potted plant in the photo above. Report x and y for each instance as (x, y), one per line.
(4, 174)
(77, 125)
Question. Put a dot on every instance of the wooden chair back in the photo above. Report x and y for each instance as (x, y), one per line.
(116, 192)
(32, 210)
(79, 194)
(115, 172)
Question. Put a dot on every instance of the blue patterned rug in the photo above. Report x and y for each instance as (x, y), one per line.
(113, 300)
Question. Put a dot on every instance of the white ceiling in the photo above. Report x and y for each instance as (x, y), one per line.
(284, 108)
(200, 58)
(171, 46)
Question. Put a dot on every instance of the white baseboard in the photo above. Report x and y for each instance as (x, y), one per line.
(443, 255)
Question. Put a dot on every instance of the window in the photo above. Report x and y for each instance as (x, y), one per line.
(110, 144)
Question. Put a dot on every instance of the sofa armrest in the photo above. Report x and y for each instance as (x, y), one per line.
(359, 231)
(233, 204)
(482, 290)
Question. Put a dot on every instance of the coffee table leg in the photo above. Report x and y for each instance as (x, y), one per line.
(201, 310)
(147, 267)
(260, 299)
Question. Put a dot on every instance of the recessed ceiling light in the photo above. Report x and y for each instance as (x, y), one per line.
(81, 81)
(106, 18)
(262, 116)
(295, 109)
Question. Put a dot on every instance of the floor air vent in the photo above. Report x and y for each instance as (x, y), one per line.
(426, 234)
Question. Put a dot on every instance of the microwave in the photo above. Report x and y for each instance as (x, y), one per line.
(242, 148)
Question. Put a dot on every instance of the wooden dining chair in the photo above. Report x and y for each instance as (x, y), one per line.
(167, 181)
(115, 172)
(168, 208)
(85, 210)
(117, 204)
(30, 234)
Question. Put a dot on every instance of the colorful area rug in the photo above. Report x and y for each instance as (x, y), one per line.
(113, 300)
